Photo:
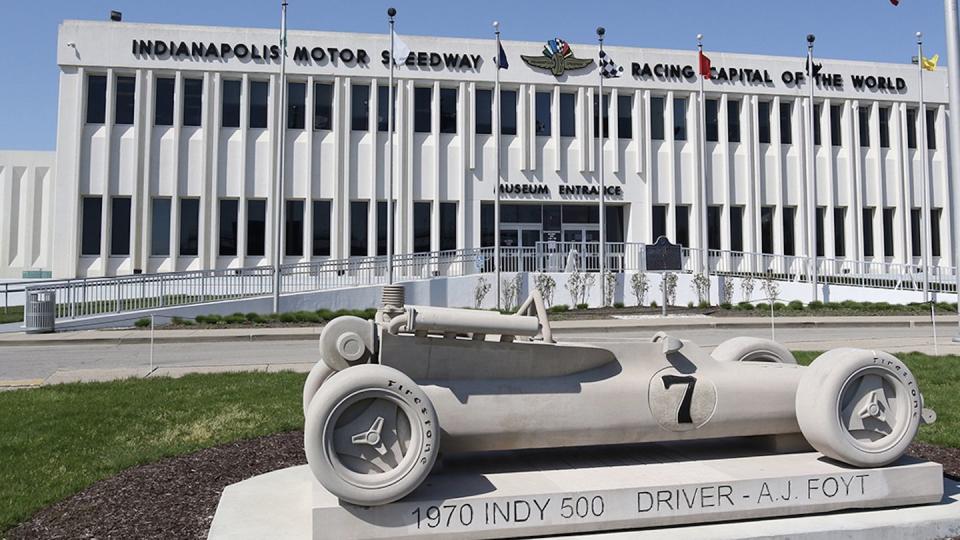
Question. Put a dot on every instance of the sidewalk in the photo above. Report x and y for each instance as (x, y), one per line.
(673, 322)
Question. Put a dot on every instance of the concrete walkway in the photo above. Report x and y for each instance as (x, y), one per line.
(672, 322)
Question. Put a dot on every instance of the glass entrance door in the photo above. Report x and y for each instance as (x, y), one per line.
(518, 242)
(585, 239)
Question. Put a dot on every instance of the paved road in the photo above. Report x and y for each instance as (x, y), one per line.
(30, 365)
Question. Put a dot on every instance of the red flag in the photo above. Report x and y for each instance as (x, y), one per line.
(704, 66)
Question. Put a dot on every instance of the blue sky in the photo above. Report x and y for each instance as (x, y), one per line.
(849, 29)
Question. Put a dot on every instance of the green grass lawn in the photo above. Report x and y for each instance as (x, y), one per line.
(57, 440)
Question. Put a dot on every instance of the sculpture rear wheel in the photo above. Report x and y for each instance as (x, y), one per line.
(859, 407)
(750, 349)
(370, 435)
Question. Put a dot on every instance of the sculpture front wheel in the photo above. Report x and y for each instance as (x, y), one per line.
(859, 407)
(371, 435)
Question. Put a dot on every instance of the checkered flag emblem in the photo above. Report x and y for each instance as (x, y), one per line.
(609, 68)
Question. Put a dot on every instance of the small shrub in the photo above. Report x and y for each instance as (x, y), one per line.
(882, 306)
(255, 318)
(325, 314)
(640, 285)
(851, 304)
(745, 306)
(308, 317)
(763, 306)
(583, 306)
(142, 323)
(288, 318)
(777, 306)
(726, 305)
(653, 304)
(559, 308)
(795, 305)
(690, 304)
(176, 321)
(211, 319)
(236, 318)
(704, 305)
(831, 305)
(816, 304)
(618, 305)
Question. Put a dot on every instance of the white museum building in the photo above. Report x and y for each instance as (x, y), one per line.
(166, 152)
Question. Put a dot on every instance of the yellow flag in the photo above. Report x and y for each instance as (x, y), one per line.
(930, 64)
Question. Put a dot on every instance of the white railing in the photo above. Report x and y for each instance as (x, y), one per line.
(91, 296)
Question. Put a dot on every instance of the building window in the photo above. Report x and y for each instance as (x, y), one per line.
(163, 105)
(383, 107)
(935, 231)
(679, 119)
(820, 217)
(789, 232)
(816, 125)
(683, 225)
(868, 232)
(259, 92)
(657, 109)
(786, 122)
(296, 105)
(888, 214)
(422, 98)
(763, 121)
(293, 228)
(911, 128)
(544, 121)
(421, 227)
(568, 116)
(766, 229)
(448, 110)
(931, 129)
(360, 107)
(192, 102)
(840, 232)
(229, 209)
(508, 112)
(125, 98)
(885, 127)
(614, 223)
(486, 225)
(323, 106)
(659, 225)
(606, 116)
(382, 227)
(96, 100)
(712, 107)
(915, 231)
(836, 115)
(448, 225)
(863, 119)
(120, 226)
(160, 227)
(625, 117)
(713, 226)
(321, 228)
(256, 227)
(231, 104)
(358, 228)
(736, 228)
(733, 120)
(484, 111)
(189, 227)
(92, 214)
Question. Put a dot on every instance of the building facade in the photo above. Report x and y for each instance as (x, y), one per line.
(166, 153)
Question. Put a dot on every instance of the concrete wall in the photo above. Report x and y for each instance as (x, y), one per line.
(26, 213)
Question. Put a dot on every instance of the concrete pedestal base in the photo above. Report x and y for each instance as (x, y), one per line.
(663, 490)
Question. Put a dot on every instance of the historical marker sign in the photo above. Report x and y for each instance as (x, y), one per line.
(663, 256)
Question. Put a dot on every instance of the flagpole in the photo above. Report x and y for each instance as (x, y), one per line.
(281, 136)
(953, 85)
(391, 13)
(496, 203)
(924, 153)
(704, 245)
(603, 222)
(812, 168)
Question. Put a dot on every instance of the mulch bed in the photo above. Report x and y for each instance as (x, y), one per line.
(177, 497)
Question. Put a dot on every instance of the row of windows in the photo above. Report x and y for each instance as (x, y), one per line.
(788, 220)
(422, 117)
(256, 218)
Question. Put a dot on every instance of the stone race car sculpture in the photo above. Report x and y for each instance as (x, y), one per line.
(388, 395)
